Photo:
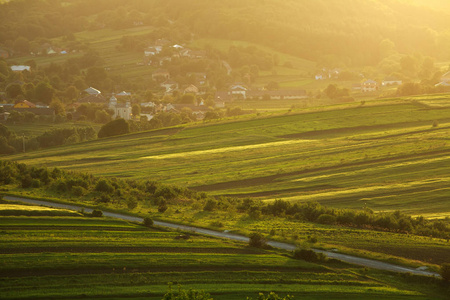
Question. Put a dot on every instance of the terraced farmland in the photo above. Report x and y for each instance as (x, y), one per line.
(73, 257)
(383, 155)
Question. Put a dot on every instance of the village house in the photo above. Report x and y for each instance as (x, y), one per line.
(445, 80)
(20, 68)
(391, 81)
(24, 104)
(369, 86)
(27, 106)
(92, 91)
(191, 89)
(169, 85)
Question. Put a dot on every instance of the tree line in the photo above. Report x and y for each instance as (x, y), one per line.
(11, 143)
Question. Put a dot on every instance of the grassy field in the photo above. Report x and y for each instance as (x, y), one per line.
(385, 155)
(68, 258)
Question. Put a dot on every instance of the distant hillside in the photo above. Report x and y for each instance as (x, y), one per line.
(356, 32)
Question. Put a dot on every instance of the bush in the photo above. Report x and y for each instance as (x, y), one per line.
(257, 240)
(104, 186)
(132, 204)
(27, 181)
(210, 205)
(116, 127)
(97, 213)
(326, 219)
(308, 255)
(148, 222)
(162, 207)
(78, 191)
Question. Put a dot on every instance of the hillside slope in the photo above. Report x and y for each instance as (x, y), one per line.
(386, 156)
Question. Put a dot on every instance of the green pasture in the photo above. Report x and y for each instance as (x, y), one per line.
(385, 155)
(93, 265)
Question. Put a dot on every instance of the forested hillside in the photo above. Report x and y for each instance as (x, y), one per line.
(352, 32)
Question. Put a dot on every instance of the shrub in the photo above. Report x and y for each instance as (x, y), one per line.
(104, 186)
(27, 181)
(210, 205)
(97, 213)
(162, 206)
(326, 219)
(257, 240)
(148, 222)
(116, 127)
(132, 204)
(78, 191)
(308, 255)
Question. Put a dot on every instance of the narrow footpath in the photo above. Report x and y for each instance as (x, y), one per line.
(370, 263)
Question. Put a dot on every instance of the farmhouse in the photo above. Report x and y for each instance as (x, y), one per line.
(27, 106)
(369, 86)
(92, 91)
(24, 104)
(191, 89)
(391, 81)
(20, 68)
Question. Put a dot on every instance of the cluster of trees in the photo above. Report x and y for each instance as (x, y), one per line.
(106, 191)
(11, 143)
(416, 88)
(390, 221)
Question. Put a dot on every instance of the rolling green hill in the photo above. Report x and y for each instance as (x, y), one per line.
(386, 155)
(94, 258)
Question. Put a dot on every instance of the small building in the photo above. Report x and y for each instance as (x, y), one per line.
(191, 89)
(24, 104)
(446, 77)
(123, 94)
(369, 86)
(92, 91)
(238, 90)
(4, 116)
(20, 68)
(169, 85)
(391, 81)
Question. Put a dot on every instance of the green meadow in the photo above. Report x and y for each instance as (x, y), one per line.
(385, 155)
(91, 258)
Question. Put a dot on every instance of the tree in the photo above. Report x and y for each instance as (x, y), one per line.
(22, 45)
(58, 107)
(95, 76)
(136, 110)
(44, 92)
(257, 240)
(115, 127)
(13, 90)
(148, 222)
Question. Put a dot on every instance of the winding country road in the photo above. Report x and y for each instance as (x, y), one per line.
(370, 263)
